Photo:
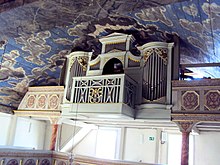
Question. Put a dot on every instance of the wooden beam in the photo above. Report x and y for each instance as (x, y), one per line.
(176, 58)
(200, 65)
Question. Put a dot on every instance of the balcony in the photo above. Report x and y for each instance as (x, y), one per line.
(106, 95)
(41, 102)
(44, 157)
(196, 100)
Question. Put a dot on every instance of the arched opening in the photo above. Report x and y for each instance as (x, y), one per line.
(113, 66)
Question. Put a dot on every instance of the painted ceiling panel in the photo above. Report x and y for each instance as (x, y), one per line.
(36, 37)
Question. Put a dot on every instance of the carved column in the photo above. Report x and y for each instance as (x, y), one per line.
(53, 138)
(185, 148)
(185, 127)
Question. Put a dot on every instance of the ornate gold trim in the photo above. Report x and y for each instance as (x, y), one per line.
(115, 42)
(94, 63)
(38, 113)
(71, 62)
(115, 50)
(46, 88)
(132, 59)
(159, 52)
(83, 61)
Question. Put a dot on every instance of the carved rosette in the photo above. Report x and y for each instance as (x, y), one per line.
(29, 162)
(212, 100)
(190, 101)
(45, 162)
(12, 162)
(41, 103)
(30, 101)
(53, 102)
(95, 95)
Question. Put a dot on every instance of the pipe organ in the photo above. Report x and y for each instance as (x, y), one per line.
(151, 70)
(156, 72)
(76, 67)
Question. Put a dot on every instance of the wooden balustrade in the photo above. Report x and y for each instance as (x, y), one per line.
(196, 96)
(43, 157)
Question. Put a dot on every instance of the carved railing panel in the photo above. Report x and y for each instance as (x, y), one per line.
(85, 160)
(32, 157)
(197, 96)
(42, 98)
(41, 157)
(104, 89)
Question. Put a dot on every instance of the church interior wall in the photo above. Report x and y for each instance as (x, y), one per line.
(134, 144)
(206, 148)
(23, 133)
(30, 133)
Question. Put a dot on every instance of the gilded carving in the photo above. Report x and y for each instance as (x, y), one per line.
(72, 60)
(147, 54)
(83, 61)
(95, 95)
(114, 42)
(93, 64)
(121, 58)
(114, 50)
(132, 59)
(161, 52)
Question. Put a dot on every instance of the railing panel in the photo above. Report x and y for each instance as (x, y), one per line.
(42, 157)
(104, 89)
(196, 96)
(32, 157)
(47, 98)
(130, 92)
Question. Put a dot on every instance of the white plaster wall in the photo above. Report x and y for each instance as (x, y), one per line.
(138, 147)
(87, 146)
(5, 120)
(29, 133)
(48, 133)
(207, 148)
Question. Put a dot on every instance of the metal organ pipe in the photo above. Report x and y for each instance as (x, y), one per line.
(155, 74)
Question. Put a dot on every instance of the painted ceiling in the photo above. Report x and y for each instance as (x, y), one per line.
(36, 35)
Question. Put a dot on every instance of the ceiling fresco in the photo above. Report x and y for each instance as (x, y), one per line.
(36, 36)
